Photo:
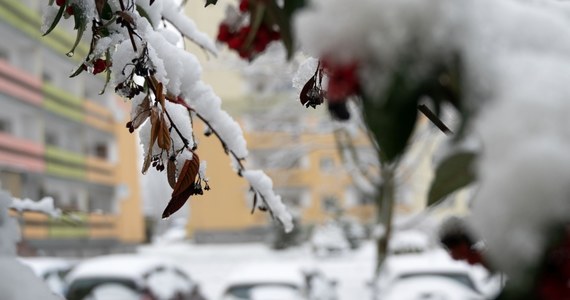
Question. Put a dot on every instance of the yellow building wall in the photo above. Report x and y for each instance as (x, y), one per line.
(225, 206)
(130, 220)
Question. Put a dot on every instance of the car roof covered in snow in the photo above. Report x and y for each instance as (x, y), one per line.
(42, 265)
(429, 288)
(130, 266)
(432, 261)
(265, 273)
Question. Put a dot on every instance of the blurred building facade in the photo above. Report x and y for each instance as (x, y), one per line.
(60, 138)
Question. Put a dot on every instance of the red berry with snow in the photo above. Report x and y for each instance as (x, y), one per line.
(99, 66)
(60, 2)
(69, 10)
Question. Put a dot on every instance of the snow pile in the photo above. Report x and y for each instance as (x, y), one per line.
(22, 283)
(515, 59)
(45, 205)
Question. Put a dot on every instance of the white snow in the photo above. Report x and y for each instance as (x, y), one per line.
(263, 184)
(45, 205)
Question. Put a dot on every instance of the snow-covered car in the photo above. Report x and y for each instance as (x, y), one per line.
(329, 239)
(278, 281)
(429, 287)
(51, 269)
(408, 242)
(151, 278)
(433, 273)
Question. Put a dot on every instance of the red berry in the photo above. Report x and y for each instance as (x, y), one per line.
(343, 80)
(99, 66)
(69, 10)
(244, 5)
(224, 33)
(235, 43)
(60, 2)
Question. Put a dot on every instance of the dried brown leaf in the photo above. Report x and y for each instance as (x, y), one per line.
(160, 95)
(164, 141)
(142, 113)
(126, 17)
(304, 96)
(184, 187)
(146, 163)
(171, 172)
(155, 121)
(99, 5)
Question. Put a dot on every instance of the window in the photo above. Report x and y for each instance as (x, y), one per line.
(5, 126)
(330, 204)
(46, 77)
(51, 139)
(101, 150)
(326, 164)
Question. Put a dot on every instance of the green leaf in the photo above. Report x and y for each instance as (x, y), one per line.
(291, 6)
(144, 14)
(107, 12)
(79, 70)
(80, 26)
(453, 173)
(208, 2)
(392, 118)
(278, 16)
(55, 20)
(107, 72)
(256, 20)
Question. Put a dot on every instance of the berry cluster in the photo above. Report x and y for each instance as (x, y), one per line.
(237, 38)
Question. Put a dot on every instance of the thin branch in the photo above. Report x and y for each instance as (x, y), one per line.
(434, 119)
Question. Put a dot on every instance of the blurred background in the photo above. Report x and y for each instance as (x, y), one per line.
(61, 139)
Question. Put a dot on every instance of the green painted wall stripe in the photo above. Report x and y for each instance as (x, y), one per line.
(28, 21)
(63, 110)
(64, 155)
(64, 171)
(69, 227)
(58, 94)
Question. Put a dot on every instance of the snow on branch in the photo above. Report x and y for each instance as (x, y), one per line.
(144, 63)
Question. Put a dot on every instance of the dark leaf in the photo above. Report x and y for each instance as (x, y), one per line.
(80, 26)
(160, 95)
(254, 202)
(255, 23)
(79, 70)
(184, 187)
(107, 72)
(171, 172)
(56, 19)
(279, 17)
(107, 12)
(208, 2)
(453, 173)
(304, 96)
(392, 120)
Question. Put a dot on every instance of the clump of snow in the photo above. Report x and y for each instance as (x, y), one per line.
(516, 60)
(45, 205)
(263, 184)
(304, 73)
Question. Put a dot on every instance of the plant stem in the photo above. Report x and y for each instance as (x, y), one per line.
(385, 202)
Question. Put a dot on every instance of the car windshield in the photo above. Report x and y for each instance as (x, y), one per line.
(243, 291)
(457, 277)
(81, 288)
